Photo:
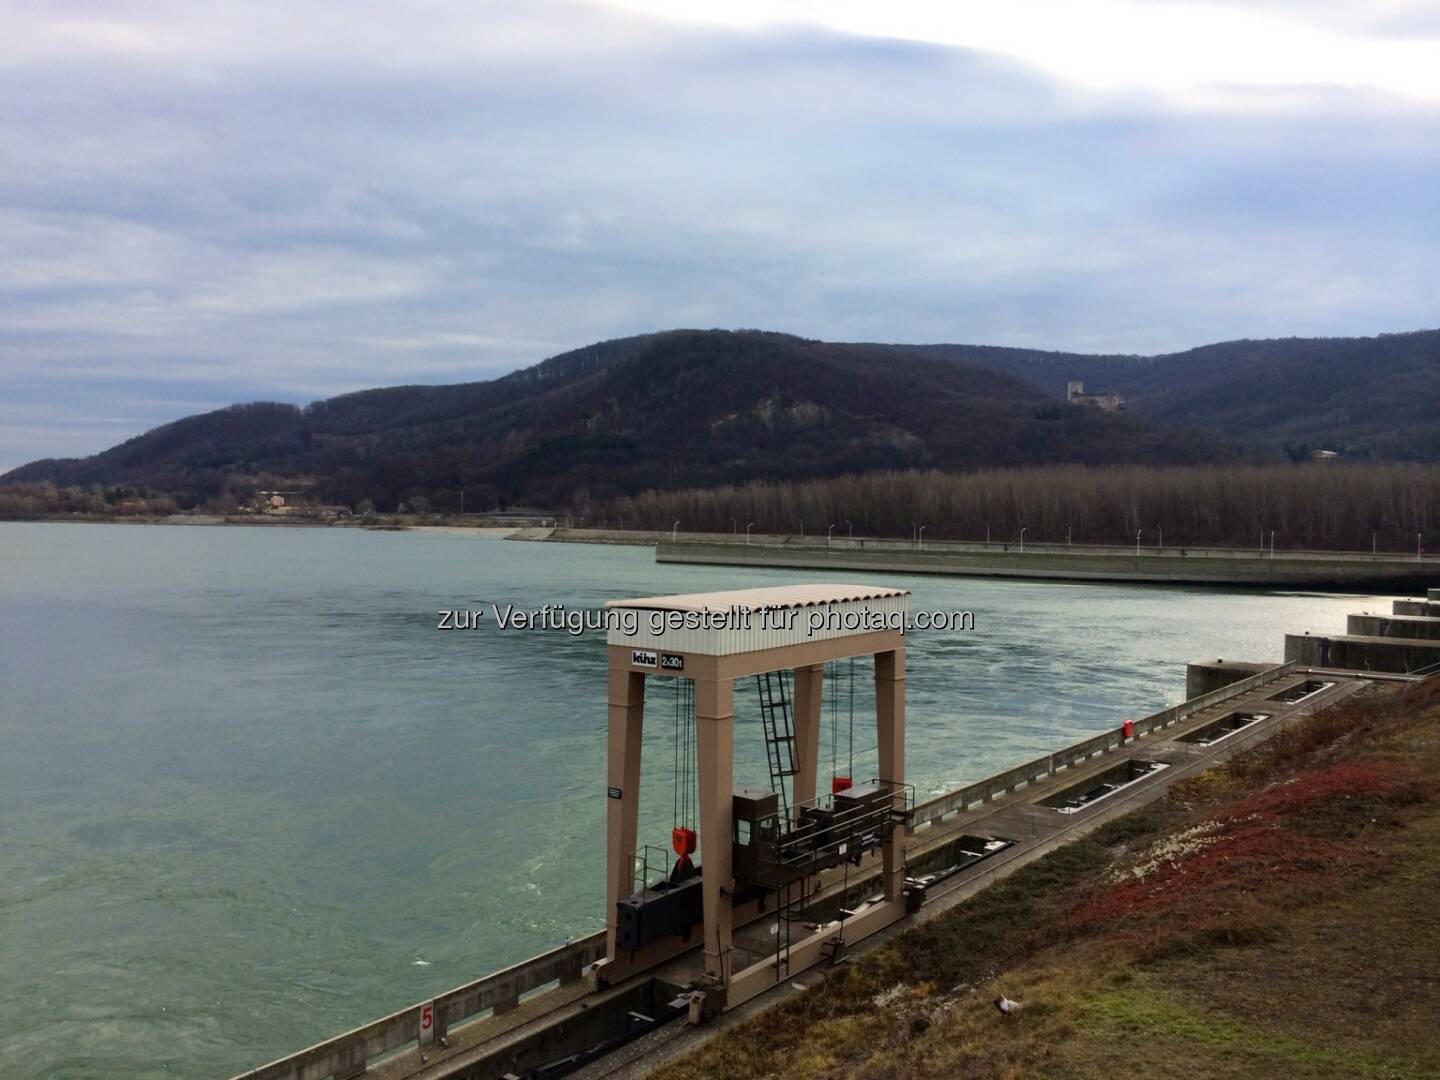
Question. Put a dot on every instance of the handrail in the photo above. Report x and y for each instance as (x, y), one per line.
(347, 1054)
(1044, 767)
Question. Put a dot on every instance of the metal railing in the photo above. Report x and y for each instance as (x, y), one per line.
(346, 1055)
(1012, 546)
(1042, 768)
(827, 830)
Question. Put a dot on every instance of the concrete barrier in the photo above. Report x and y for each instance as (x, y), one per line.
(1042, 768)
(1425, 608)
(346, 1055)
(1202, 676)
(1357, 653)
(1398, 626)
(1285, 570)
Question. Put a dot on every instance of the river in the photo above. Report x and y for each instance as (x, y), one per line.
(251, 796)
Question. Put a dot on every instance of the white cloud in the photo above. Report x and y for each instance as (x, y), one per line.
(1173, 47)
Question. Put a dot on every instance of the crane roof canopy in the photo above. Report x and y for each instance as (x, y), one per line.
(777, 596)
(752, 620)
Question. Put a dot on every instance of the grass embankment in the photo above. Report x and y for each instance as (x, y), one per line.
(1278, 916)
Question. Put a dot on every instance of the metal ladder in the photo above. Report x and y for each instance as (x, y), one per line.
(772, 688)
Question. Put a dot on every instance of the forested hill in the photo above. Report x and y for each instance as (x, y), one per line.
(674, 409)
(1369, 398)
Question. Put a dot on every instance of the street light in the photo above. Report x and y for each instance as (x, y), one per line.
(1067, 535)
(914, 528)
(1137, 541)
(921, 537)
(987, 534)
(1272, 543)
(851, 526)
(1022, 536)
(1161, 542)
(674, 530)
(828, 532)
(747, 532)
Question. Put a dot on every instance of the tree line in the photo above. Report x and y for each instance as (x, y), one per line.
(23, 501)
(1326, 506)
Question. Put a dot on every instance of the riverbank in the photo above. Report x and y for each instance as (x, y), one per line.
(1270, 918)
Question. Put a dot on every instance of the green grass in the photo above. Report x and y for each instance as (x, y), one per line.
(1177, 1029)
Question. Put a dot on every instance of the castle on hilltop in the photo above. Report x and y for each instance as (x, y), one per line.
(1075, 395)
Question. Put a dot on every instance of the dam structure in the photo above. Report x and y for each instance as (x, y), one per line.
(762, 884)
(1405, 640)
(1142, 563)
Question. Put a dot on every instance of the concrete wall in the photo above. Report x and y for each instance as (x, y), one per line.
(1170, 568)
(1424, 608)
(1203, 676)
(1361, 653)
(1397, 626)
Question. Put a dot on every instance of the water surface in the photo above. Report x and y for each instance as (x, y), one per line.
(251, 797)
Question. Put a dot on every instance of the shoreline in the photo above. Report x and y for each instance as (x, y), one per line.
(1173, 564)
(1331, 571)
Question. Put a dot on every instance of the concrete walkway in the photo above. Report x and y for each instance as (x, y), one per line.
(1034, 830)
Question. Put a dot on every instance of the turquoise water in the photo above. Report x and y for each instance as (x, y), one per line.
(250, 796)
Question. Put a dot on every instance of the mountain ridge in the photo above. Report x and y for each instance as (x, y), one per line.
(685, 408)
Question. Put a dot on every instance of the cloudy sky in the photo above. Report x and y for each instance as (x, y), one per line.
(205, 202)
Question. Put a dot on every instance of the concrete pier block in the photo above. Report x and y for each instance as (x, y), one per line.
(1432, 594)
(1203, 676)
(1428, 608)
(1359, 653)
(1393, 626)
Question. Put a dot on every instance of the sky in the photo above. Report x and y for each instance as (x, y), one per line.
(203, 203)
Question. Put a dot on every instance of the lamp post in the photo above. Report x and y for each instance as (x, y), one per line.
(1262, 539)
(1068, 541)
(674, 531)
(747, 532)
(1374, 544)
(1419, 546)
(1137, 541)
(828, 533)
(914, 528)
(1160, 546)
(1022, 536)
(987, 534)
(1272, 543)
(851, 525)
(920, 537)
